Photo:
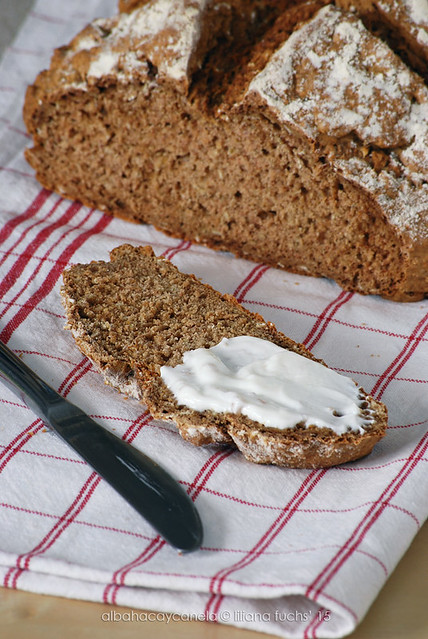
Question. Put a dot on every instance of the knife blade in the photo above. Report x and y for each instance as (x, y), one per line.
(143, 483)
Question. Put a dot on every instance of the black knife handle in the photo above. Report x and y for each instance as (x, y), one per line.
(17, 376)
(141, 481)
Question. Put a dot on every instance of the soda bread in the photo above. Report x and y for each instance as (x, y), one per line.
(284, 131)
(138, 313)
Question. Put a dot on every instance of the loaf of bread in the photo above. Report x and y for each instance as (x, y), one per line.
(137, 314)
(288, 132)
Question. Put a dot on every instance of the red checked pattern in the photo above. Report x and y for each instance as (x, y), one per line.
(285, 552)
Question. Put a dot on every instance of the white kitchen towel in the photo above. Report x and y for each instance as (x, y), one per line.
(293, 553)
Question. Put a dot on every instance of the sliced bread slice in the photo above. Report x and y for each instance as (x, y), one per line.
(137, 313)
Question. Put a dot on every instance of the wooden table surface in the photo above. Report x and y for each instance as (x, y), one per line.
(399, 612)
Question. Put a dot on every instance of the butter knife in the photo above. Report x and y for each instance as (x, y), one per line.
(138, 479)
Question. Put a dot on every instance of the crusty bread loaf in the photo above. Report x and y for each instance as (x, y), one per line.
(284, 131)
(136, 313)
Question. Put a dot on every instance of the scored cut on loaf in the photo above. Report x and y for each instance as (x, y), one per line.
(286, 131)
(137, 313)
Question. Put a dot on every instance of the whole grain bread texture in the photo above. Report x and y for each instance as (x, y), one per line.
(288, 132)
(136, 313)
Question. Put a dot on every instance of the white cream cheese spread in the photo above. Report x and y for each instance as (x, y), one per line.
(269, 384)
